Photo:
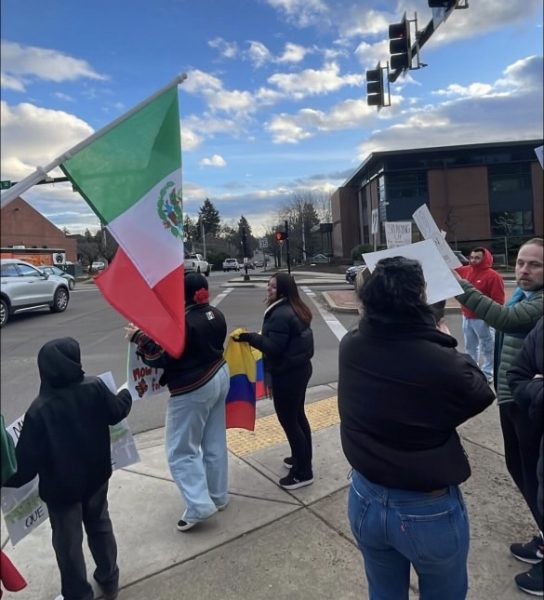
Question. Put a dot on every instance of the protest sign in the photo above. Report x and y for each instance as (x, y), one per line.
(429, 230)
(22, 507)
(441, 284)
(123, 448)
(374, 222)
(398, 233)
(142, 381)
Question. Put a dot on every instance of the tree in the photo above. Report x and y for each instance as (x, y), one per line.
(209, 216)
(301, 215)
(244, 230)
(190, 231)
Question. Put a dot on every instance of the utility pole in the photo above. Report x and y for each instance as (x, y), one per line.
(244, 250)
(287, 247)
(203, 234)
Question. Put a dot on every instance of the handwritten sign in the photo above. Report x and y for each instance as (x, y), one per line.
(23, 509)
(398, 233)
(374, 222)
(441, 284)
(429, 230)
(123, 448)
(142, 381)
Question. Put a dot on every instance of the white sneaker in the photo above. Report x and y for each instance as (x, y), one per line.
(61, 597)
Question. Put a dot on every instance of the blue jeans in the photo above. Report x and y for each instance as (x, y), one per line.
(196, 446)
(398, 528)
(479, 343)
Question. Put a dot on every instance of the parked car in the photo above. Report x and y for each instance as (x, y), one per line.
(60, 273)
(24, 287)
(230, 264)
(258, 264)
(195, 263)
(351, 273)
(97, 265)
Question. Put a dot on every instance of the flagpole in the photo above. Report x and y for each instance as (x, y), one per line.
(40, 174)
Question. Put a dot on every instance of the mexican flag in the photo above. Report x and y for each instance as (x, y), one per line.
(131, 177)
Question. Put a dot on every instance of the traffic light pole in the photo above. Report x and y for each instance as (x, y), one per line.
(287, 247)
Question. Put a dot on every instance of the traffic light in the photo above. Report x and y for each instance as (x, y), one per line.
(375, 92)
(400, 45)
(280, 236)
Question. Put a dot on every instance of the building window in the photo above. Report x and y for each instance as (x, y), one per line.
(406, 192)
(510, 199)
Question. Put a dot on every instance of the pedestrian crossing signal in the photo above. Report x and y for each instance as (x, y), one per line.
(280, 236)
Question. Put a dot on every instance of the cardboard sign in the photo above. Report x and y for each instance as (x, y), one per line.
(142, 381)
(429, 230)
(441, 284)
(398, 233)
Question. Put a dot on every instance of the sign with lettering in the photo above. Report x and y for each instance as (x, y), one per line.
(429, 230)
(398, 233)
(22, 507)
(142, 381)
(374, 221)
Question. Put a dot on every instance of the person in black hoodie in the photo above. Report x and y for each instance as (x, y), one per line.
(287, 344)
(198, 382)
(403, 389)
(65, 439)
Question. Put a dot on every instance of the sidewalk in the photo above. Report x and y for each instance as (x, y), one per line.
(270, 544)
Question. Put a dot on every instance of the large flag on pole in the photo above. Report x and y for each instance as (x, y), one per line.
(130, 175)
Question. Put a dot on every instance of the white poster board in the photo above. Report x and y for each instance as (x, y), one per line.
(142, 381)
(441, 283)
(24, 510)
(429, 230)
(398, 233)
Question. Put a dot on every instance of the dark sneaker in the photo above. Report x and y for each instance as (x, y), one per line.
(531, 552)
(288, 462)
(531, 581)
(293, 483)
(184, 525)
(109, 591)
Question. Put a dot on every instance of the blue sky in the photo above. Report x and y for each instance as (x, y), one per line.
(275, 100)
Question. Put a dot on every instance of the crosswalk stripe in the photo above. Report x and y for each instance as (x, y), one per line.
(330, 320)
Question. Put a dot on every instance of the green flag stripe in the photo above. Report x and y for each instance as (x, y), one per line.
(118, 168)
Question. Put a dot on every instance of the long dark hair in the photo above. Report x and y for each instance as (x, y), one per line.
(395, 289)
(286, 287)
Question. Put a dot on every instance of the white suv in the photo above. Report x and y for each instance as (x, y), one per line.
(230, 264)
(24, 287)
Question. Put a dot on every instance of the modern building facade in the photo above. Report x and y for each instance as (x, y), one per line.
(476, 193)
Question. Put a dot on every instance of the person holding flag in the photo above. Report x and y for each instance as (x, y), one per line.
(198, 382)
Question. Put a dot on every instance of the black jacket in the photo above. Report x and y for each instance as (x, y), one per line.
(285, 341)
(65, 438)
(205, 333)
(402, 390)
(528, 392)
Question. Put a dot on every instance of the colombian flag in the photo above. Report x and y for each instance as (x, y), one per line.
(246, 383)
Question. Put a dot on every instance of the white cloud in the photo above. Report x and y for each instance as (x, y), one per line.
(189, 138)
(508, 109)
(21, 64)
(370, 54)
(37, 134)
(214, 161)
(218, 98)
(313, 82)
(225, 49)
(293, 53)
(258, 53)
(362, 22)
(301, 12)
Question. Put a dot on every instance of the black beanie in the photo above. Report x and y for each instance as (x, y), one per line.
(193, 283)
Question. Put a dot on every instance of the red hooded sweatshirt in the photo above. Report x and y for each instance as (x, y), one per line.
(483, 278)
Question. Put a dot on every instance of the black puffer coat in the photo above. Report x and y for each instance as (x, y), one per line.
(403, 388)
(285, 341)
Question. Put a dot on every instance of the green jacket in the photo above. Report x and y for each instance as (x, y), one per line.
(512, 324)
(8, 463)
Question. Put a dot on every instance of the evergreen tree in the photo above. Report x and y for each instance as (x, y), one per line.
(209, 216)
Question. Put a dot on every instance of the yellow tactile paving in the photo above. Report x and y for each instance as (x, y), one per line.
(268, 431)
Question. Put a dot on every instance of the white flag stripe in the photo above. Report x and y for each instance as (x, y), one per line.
(145, 237)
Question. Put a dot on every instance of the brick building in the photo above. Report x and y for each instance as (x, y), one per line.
(478, 192)
(22, 225)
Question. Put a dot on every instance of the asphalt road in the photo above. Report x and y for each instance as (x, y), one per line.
(99, 330)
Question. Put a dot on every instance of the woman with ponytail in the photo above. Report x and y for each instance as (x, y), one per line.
(198, 382)
(287, 344)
